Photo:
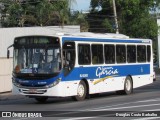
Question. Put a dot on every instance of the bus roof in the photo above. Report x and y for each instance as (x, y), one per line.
(88, 36)
(101, 37)
(95, 35)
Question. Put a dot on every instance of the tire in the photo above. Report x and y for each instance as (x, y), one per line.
(128, 86)
(41, 99)
(81, 92)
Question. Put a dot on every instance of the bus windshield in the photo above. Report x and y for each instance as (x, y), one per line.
(37, 55)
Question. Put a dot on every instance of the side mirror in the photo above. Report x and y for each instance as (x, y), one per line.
(8, 54)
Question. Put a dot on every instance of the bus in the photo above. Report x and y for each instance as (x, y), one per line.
(80, 64)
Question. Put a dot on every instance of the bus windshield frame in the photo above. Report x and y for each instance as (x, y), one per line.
(37, 56)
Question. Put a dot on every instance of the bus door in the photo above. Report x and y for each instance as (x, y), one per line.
(68, 57)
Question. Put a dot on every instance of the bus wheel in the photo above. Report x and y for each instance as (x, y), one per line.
(81, 92)
(41, 99)
(128, 86)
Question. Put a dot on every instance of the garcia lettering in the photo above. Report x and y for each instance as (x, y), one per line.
(105, 71)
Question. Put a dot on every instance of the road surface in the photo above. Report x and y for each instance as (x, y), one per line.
(143, 104)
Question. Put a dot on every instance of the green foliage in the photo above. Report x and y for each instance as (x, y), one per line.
(35, 13)
(134, 17)
(106, 23)
(40, 13)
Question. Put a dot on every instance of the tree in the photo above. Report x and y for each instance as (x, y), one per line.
(63, 13)
(134, 17)
(33, 12)
(44, 12)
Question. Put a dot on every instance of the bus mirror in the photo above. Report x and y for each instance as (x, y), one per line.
(8, 54)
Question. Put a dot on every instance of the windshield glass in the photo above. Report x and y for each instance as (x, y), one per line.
(37, 57)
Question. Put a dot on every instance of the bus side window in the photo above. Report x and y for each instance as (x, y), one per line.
(97, 54)
(121, 53)
(141, 53)
(131, 53)
(84, 57)
(109, 52)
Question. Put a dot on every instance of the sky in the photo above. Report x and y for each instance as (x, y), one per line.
(81, 5)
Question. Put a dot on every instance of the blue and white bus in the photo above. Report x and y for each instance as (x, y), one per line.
(79, 65)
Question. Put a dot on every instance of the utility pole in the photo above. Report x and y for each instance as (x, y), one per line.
(115, 17)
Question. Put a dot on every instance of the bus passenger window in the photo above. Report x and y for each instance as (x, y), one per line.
(121, 53)
(131, 53)
(109, 51)
(84, 57)
(141, 53)
(97, 54)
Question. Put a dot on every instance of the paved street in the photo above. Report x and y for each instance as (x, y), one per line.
(144, 99)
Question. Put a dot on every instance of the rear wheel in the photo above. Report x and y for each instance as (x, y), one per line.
(41, 99)
(128, 86)
(81, 92)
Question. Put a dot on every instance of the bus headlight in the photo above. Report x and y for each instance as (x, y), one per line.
(54, 83)
(15, 82)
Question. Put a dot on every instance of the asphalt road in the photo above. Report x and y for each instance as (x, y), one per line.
(143, 104)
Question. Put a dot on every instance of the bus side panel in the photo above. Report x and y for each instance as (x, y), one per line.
(71, 87)
(110, 78)
(107, 85)
(141, 80)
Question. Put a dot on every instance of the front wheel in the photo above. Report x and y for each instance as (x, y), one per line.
(81, 92)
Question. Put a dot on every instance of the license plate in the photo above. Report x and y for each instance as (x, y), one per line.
(32, 91)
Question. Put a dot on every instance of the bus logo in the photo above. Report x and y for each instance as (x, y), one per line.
(107, 71)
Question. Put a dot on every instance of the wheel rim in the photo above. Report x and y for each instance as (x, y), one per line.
(80, 90)
(128, 85)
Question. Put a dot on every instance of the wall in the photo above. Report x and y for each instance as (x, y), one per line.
(5, 74)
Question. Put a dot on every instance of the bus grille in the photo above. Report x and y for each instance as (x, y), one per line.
(33, 91)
